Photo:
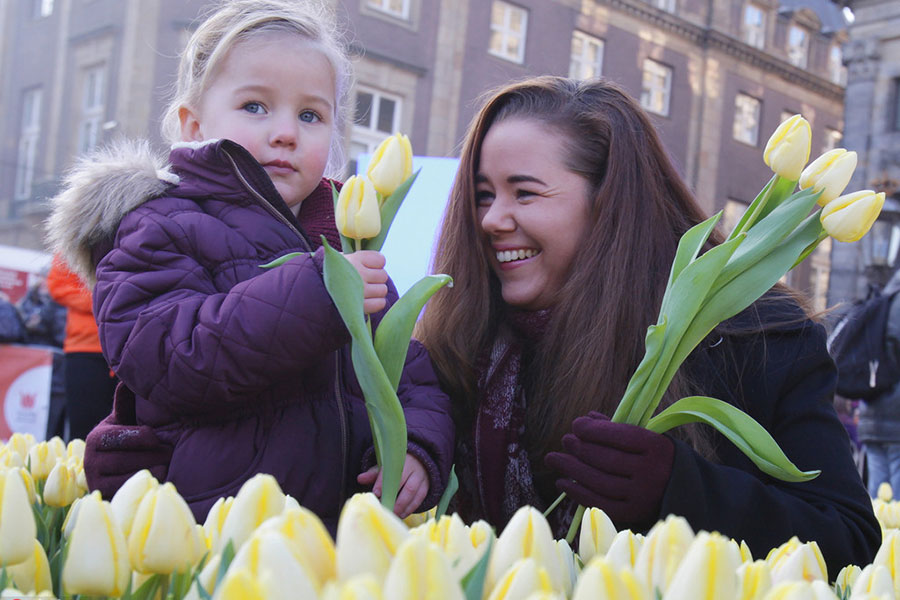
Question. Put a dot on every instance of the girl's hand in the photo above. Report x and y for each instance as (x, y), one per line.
(370, 266)
(413, 485)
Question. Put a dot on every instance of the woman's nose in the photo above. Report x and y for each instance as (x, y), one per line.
(497, 217)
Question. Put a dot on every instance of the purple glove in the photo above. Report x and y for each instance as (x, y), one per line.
(622, 469)
(118, 448)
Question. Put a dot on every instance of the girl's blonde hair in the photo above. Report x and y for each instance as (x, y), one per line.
(234, 21)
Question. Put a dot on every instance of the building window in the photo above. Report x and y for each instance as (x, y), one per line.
(29, 134)
(837, 72)
(377, 116)
(93, 103)
(656, 87)
(832, 140)
(754, 25)
(587, 56)
(666, 5)
(508, 25)
(746, 119)
(798, 46)
(395, 8)
(42, 8)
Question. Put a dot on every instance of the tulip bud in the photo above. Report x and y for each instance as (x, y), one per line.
(17, 526)
(746, 555)
(240, 584)
(10, 458)
(625, 548)
(850, 217)
(361, 587)
(754, 580)
(597, 533)
(75, 448)
(20, 443)
(795, 561)
(570, 569)
(97, 560)
(357, 213)
(463, 545)
(666, 545)
(32, 574)
(164, 537)
(830, 174)
(874, 580)
(420, 570)
(368, 536)
(885, 492)
(127, 498)
(258, 499)
(523, 578)
(527, 535)
(707, 570)
(391, 164)
(602, 579)
(61, 488)
(215, 518)
(42, 458)
(311, 542)
(847, 577)
(787, 150)
(27, 481)
(888, 555)
(271, 560)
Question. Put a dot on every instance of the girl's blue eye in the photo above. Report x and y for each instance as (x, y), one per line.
(253, 107)
(308, 116)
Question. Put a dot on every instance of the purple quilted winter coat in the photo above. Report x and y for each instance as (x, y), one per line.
(245, 370)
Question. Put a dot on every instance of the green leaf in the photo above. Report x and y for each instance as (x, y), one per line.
(653, 343)
(148, 589)
(346, 243)
(385, 413)
(689, 247)
(389, 209)
(740, 428)
(752, 213)
(224, 563)
(449, 492)
(280, 260)
(473, 582)
(394, 332)
(781, 191)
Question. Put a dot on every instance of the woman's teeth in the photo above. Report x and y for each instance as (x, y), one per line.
(511, 255)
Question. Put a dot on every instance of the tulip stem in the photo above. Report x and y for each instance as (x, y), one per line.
(357, 244)
(553, 506)
(576, 524)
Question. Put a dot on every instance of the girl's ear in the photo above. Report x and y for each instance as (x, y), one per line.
(190, 125)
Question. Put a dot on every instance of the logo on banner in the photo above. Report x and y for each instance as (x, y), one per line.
(20, 406)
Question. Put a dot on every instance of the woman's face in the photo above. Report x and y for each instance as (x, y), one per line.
(532, 209)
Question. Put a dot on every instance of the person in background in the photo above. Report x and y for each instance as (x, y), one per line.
(89, 383)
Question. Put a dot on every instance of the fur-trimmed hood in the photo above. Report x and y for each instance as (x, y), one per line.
(98, 191)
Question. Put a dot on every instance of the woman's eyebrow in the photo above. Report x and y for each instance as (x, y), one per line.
(524, 179)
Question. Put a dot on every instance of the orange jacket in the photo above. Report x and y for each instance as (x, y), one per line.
(68, 289)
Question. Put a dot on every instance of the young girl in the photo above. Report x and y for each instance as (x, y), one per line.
(560, 233)
(230, 368)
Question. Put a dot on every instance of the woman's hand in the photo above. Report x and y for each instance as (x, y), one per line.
(370, 266)
(623, 469)
(413, 485)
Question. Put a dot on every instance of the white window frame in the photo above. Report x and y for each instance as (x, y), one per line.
(581, 64)
(832, 139)
(747, 112)
(656, 98)
(798, 53)
(93, 106)
(666, 5)
(504, 32)
(386, 7)
(369, 136)
(754, 29)
(29, 136)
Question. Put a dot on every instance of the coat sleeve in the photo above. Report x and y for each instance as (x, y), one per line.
(66, 288)
(179, 341)
(787, 384)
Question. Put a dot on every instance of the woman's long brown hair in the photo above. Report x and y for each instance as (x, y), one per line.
(639, 208)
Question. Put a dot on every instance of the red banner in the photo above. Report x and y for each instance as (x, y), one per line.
(13, 284)
(24, 390)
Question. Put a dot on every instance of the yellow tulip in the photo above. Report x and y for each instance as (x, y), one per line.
(707, 570)
(797, 561)
(206, 578)
(421, 570)
(258, 499)
(10, 458)
(885, 492)
(17, 526)
(625, 548)
(97, 561)
(361, 587)
(801, 590)
(666, 545)
(126, 500)
(20, 443)
(850, 217)
(787, 150)
(311, 542)
(830, 174)
(368, 536)
(527, 535)
(42, 458)
(888, 556)
(269, 558)
(357, 213)
(596, 535)
(873, 580)
(570, 569)
(602, 579)
(27, 481)
(847, 577)
(61, 488)
(34, 573)
(746, 555)
(239, 584)
(754, 580)
(523, 578)
(391, 164)
(164, 537)
(463, 545)
(215, 519)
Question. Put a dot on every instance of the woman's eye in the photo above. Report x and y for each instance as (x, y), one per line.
(308, 116)
(525, 193)
(483, 198)
(253, 107)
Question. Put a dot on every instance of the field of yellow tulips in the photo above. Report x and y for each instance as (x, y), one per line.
(58, 541)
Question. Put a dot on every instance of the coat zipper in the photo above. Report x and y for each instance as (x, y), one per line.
(342, 410)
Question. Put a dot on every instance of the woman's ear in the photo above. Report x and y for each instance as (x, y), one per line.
(190, 125)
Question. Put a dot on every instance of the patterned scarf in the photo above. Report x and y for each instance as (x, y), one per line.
(495, 472)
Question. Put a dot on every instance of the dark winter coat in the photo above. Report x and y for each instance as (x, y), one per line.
(879, 420)
(242, 370)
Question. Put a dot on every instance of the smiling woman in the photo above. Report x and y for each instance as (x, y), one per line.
(559, 235)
